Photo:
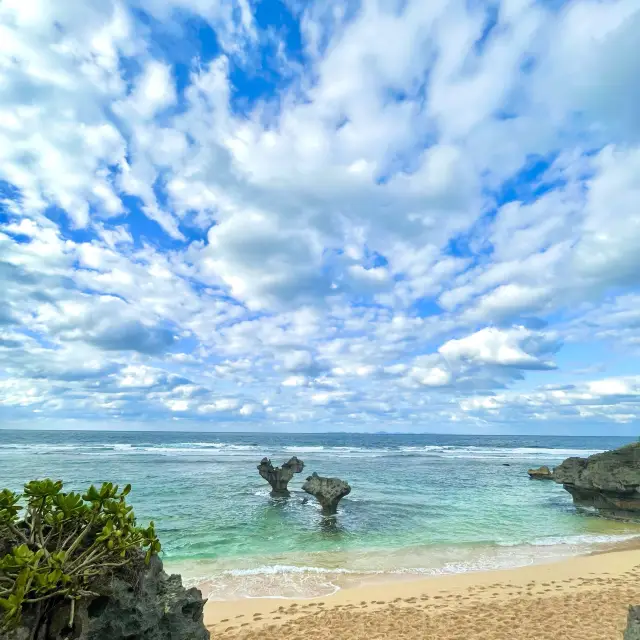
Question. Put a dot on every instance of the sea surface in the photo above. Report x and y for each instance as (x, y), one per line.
(420, 504)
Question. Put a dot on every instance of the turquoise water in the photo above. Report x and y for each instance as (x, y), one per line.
(420, 504)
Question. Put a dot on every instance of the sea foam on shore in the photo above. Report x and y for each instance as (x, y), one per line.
(321, 574)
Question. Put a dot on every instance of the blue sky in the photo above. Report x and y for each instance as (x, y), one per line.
(400, 216)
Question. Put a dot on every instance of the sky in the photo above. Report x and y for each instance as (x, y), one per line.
(321, 215)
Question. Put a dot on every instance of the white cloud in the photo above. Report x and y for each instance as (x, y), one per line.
(264, 264)
(517, 347)
(153, 92)
(604, 401)
(381, 236)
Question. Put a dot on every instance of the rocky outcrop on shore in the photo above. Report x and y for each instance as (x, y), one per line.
(632, 632)
(541, 473)
(327, 491)
(278, 477)
(609, 481)
(138, 603)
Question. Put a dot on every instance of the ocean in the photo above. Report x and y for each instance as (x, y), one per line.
(420, 504)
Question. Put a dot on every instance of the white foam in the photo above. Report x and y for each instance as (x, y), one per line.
(480, 453)
(299, 581)
(268, 570)
(35, 448)
(581, 540)
(473, 452)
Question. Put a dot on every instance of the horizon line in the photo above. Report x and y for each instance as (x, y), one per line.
(369, 433)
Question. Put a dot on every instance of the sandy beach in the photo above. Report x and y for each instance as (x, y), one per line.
(580, 598)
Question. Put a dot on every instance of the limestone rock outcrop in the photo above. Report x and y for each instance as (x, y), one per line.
(609, 481)
(541, 473)
(632, 632)
(278, 477)
(327, 491)
(137, 603)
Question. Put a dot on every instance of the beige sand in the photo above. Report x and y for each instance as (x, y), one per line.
(583, 598)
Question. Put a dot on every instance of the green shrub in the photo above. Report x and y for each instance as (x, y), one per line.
(54, 547)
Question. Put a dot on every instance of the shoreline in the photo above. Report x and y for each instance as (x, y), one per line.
(290, 577)
(606, 580)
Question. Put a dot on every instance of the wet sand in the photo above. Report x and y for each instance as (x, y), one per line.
(581, 598)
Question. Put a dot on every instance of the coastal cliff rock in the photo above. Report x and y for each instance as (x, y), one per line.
(541, 473)
(138, 603)
(632, 631)
(609, 481)
(327, 491)
(278, 477)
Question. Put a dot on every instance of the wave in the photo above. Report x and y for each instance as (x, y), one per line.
(305, 580)
(267, 570)
(476, 452)
(480, 453)
(573, 540)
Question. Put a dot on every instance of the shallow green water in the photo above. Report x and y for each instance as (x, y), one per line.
(420, 504)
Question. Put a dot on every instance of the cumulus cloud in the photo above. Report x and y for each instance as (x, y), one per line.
(517, 347)
(443, 231)
(604, 401)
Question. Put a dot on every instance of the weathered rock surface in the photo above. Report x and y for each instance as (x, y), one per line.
(327, 491)
(541, 473)
(278, 477)
(139, 603)
(632, 631)
(609, 481)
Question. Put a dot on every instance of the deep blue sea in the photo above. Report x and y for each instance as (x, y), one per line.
(420, 504)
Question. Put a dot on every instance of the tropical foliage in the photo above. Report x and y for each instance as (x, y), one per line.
(54, 545)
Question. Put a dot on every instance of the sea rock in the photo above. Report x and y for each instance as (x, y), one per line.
(609, 481)
(138, 603)
(632, 632)
(278, 477)
(327, 491)
(541, 473)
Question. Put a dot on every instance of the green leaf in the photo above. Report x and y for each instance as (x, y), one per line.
(78, 527)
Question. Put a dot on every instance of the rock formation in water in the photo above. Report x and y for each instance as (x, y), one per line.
(541, 473)
(278, 477)
(609, 481)
(632, 631)
(137, 603)
(327, 491)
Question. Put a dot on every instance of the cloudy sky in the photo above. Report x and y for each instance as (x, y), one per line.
(335, 215)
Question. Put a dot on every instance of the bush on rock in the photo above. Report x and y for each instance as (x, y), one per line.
(54, 545)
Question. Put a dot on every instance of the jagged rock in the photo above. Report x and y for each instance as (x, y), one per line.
(327, 491)
(138, 603)
(609, 481)
(541, 473)
(278, 477)
(632, 632)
